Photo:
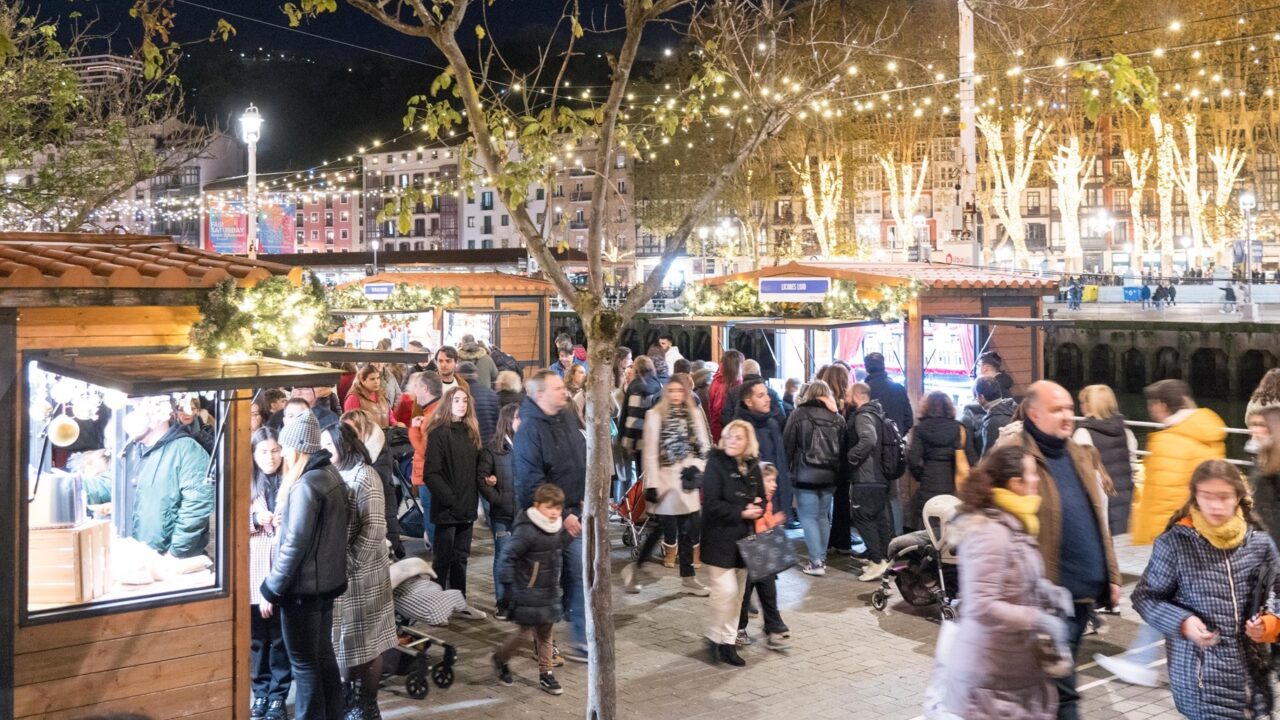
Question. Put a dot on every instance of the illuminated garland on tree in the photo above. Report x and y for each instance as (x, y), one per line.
(843, 302)
(238, 322)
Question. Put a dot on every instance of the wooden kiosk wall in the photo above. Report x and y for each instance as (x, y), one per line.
(185, 660)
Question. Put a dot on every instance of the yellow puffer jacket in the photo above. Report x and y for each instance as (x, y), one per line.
(1190, 438)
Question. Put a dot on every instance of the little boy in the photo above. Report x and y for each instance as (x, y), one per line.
(777, 633)
(530, 570)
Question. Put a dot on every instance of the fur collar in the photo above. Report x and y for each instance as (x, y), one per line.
(545, 525)
(410, 567)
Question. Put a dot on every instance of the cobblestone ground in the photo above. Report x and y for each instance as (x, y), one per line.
(847, 661)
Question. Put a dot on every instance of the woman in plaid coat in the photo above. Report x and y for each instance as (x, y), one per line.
(1209, 588)
(364, 624)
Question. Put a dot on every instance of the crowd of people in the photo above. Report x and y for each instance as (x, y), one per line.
(722, 456)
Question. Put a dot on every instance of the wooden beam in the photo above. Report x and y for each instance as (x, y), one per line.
(9, 495)
(99, 297)
(913, 337)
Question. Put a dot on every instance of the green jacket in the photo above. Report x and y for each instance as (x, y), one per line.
(172, 503)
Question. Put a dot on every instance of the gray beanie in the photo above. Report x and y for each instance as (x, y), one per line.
(302, 433)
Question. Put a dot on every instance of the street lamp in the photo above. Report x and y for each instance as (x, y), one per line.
(1248, 203)
(251, 131)
(375, 245)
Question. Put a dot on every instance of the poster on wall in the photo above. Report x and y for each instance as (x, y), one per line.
(226, 228)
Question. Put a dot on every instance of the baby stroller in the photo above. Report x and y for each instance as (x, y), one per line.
(923, 564)
(633, 513)
(417, 598)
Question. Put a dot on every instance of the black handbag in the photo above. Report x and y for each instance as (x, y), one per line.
(767, 553)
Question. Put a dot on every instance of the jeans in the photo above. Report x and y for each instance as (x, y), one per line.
(678, 530)
(268, 658)
(767, 591)
(840, 535)
(814, 509)
(424, 498)
(869, 511)
(1068, 697)
(575, 602)
(501, 534)
(306, 626)
(452, 548)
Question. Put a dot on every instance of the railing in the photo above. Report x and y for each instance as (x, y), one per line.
(667, 304)
(577, 224)
(581, 196)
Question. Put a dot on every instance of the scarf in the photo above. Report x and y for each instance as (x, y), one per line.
(677, 440)
(543, 523)
(1050, 447)
(1022, 507)
(1227, 536)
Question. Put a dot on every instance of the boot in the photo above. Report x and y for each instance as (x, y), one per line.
(669, 555)
(352, 701)
(369, 704)
(729, 654)
(697, 556)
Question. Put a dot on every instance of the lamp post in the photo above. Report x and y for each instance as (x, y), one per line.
(375, 244)
(251, 130)
(1248, 202)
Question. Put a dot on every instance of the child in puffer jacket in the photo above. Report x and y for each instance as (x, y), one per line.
(777, 634)
(530, 570)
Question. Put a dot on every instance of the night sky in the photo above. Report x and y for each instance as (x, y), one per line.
(321, 99)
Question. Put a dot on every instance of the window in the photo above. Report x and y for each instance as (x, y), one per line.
(471, 221)
(506, 220)
(328, 218)
(541, 194)
(345, 216)
(471, 244)
(404, 179)
(1033, 200)
(620, 161)
(542, 217)
(300, 219)
(1119, 199)
(419, 227)
(300, 236)
(390, 158)
(315, 217)
(471, 198)
(486, 200)
(344, 199)
(87, 503)
(328, 237)
(346, 234)
(315, 235)
(487, 225)
(622, 187)
(486, 244)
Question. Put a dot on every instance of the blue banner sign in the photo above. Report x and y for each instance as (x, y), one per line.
(378, 291)
(794, 289)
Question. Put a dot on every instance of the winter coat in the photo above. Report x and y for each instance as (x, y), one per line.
(172, 502)
(487, 406)
(377, 404)
(1187, 576)
(666, 479)
(550, 449)
(999, 414)
(893, 398)
(530, 567)
(262, 540)
(1266, 501)
(455, 470)
(507, 397)
(992, 668)
(486, 370)
(769, 436)
(642, 394)
(734, 402)
(862, 437)
(796, 438)
(311, 547)
(1190, 437)
(1090, 471)
(1116, 446)
(971, 418)
(376, 444)
(931, 454)
(726, 492)
(364, 622)
(717, 399)
(501, 497)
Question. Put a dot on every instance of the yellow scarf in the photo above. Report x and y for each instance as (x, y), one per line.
(1227, 536)
(1023, 507)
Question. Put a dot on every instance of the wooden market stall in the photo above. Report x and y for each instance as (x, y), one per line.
(1006, 308)
(511, 312)
(92, 329)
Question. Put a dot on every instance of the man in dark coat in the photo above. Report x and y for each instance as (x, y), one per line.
(751, 371)
(997, 411)
(550, 448)
(757, 409)
(868, 489)
(484, 400)
(891, 395)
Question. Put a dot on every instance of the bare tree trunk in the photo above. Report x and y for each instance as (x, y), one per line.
(603, 331)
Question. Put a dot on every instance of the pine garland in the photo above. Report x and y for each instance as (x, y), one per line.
(272, 315)
(403, 297)
(843, 301)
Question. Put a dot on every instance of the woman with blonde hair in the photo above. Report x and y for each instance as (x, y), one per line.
(456, 467)
(733, 499)
(1103, 428)
(674, 450)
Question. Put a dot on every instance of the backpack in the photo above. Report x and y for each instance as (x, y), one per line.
(824, 443)
(503, 361)
(893, 455)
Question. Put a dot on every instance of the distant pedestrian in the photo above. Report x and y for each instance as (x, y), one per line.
(727, 377)
(935, 454)
(814, 443)
(1103, 428)
(777, 634)
(868, 486)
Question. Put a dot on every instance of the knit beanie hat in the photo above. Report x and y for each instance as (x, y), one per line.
(302, 433)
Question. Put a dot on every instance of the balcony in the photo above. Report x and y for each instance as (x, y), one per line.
(579, 172)
(577, 224)
(787, 218)
(1033, 211)
(581, 196)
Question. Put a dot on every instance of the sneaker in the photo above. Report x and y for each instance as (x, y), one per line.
(547, 681)
(814, 568)
(1128, 671)
(776, 641)
(576, 654)
(743, 638)
(472, 613)
(276, 710)
(502, 613)
(629, 583)
(258, 710)
(874, 571)
(691, 586)
(502, 671)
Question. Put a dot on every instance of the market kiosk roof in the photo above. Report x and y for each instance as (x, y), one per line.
(938, 276)
(808, 323)
(467, 283)
(140, 372)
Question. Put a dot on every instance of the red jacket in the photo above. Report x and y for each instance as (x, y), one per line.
(418, 439)
(717, 396)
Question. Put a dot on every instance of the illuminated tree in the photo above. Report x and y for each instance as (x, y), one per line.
(823, 191)
(1012, 146)
(1070, 166)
